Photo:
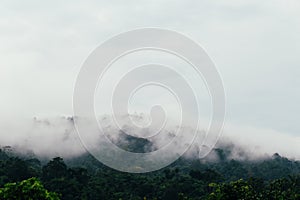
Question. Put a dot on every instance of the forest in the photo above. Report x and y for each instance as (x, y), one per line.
(83, 177)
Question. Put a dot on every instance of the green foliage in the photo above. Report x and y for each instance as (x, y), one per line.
(56, 168)
(85, 178)
(70, 182)
(30, 189)
(234, 190)
(280, 189)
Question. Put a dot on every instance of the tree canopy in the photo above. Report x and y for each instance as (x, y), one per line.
(85, 178)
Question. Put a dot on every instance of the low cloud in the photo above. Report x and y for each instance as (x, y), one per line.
(57, 136)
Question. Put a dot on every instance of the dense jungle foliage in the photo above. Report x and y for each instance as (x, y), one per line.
(26, 177)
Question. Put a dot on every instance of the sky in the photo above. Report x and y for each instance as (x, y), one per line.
(254, 44)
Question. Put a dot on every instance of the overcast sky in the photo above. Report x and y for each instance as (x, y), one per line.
(255, 45)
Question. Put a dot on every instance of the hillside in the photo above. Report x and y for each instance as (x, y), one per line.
(83, 177)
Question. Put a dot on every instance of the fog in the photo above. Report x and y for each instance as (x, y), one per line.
(254, 44)
(57, 136)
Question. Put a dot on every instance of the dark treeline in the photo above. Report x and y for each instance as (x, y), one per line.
(85, 178)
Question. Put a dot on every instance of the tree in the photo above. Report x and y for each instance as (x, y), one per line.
(56, 168)
(69, 182)
(234, 190)
(17, 169)
(30, 189)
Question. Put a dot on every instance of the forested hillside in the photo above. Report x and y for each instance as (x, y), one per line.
(84, 177)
